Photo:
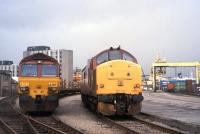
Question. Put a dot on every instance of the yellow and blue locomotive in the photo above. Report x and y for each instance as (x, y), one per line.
(111, 83)
(39, 83)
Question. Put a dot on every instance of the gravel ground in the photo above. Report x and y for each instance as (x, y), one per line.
(2, 98)
(72, 112)
(180, 107)
(175, 106)
(1, 130)
(183, 108)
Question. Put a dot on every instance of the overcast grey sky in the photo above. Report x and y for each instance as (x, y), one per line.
(143, 27)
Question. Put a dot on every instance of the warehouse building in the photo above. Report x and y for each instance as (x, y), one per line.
(6, 65)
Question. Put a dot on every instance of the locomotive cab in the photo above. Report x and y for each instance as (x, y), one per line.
(39, 83)
(113, 83)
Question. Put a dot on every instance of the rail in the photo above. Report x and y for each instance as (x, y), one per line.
(138, 126)
(14, 121)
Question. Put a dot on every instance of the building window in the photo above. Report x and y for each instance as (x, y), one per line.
(84, 75)
(6, 78)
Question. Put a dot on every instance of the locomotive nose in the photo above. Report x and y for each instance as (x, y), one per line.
(117, 74)
(119, 71)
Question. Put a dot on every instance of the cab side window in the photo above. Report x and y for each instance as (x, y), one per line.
(114, 55)
(127, 57)
(102, 58)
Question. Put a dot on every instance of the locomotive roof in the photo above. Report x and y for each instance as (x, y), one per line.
(39, 56)
(119, 49)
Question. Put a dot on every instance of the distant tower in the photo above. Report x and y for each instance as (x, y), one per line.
(159, 59)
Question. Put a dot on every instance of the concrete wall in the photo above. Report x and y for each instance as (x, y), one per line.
(5, 84)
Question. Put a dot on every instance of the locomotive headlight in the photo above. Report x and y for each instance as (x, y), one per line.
(52, 87)
(101, 85)
(24, 84)
(111, 74)
(52, 90)
(24, 89)
(137, 86)
(53, 84)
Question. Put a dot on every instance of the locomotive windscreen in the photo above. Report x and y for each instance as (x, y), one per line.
(49, 70)
(29, 70)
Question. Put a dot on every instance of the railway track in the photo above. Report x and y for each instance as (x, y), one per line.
(183, 126)
(12, 121)
(125, 129)
(135, 125)
(15, 122)
(50, 123)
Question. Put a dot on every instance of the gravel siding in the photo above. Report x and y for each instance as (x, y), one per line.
(184, 108)
(175, 106)
(72, 112)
